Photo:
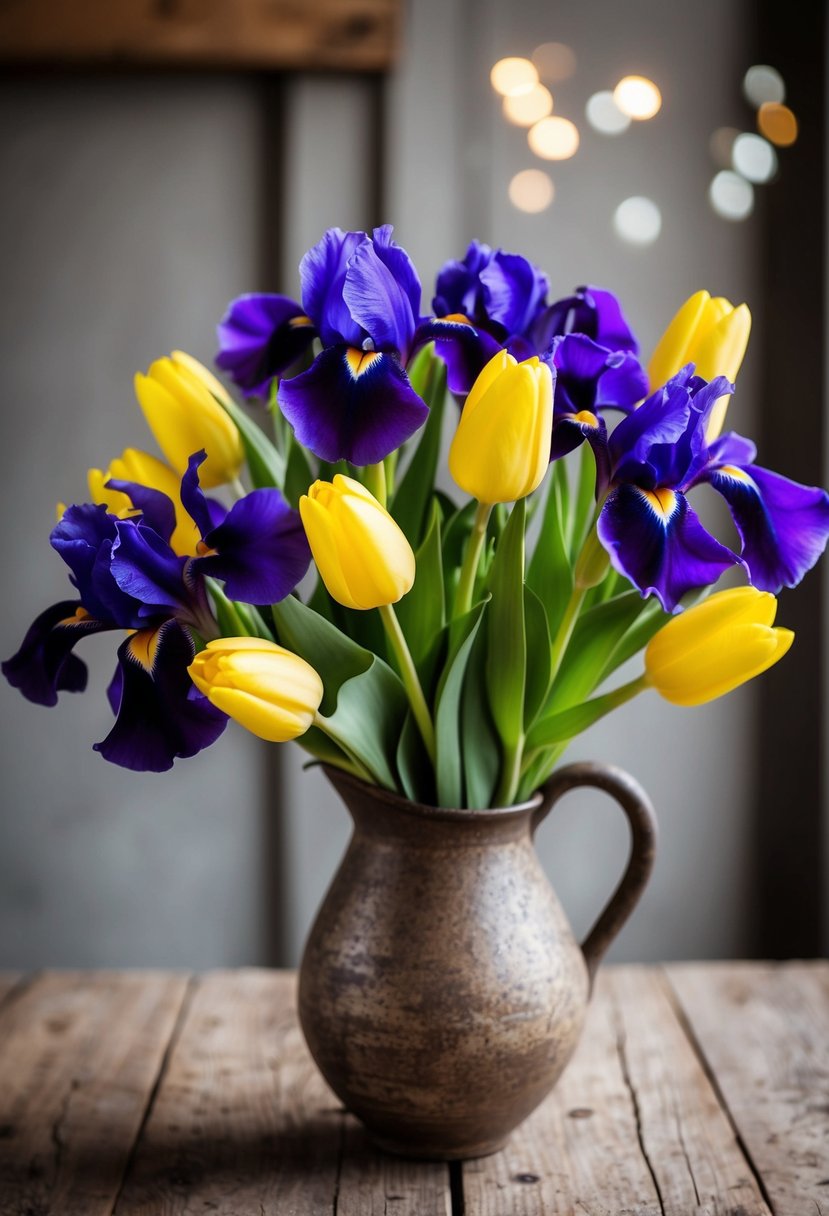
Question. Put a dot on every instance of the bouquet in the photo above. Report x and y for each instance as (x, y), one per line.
(454, 634)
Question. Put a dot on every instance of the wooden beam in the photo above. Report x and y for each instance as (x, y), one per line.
(344, 35)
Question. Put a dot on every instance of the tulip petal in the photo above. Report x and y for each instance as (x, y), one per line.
(261, 549)
(656, 540)
(783, 526)
(44, 665)
(161, 716)
(352, 405)
(261, 336)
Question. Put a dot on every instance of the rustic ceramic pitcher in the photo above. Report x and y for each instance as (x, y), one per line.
(441, 992)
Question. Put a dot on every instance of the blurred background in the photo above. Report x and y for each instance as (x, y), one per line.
(159, 159)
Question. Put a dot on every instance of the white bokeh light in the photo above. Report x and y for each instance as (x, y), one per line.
(637, 97)
(754, 158)
(604, 115)
(512, 76)
(554, 138)
(763, 83)
(531, 190)
(638, 220)
(731, 196)
(524, 109)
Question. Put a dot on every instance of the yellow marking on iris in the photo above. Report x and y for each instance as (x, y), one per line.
(143, 645)
(360, 360)
(456, 318)
(661, 501)
(731, 471)
(300, 322)
(586, 418)
(78, 617)
(203, 550)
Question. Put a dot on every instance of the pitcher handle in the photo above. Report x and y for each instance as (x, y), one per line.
(642, 819)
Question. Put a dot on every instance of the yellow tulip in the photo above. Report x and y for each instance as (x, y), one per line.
(714, 647)
(178, 397)
(146, 470)
(713, 335)
(267, 689)
(501, 449)
(363, 558)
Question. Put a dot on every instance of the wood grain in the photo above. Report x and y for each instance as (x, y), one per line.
(244, 1123)
(764, 1033)
(686, 1136)
(79, 1055)
(579, 1153)
(347, 35)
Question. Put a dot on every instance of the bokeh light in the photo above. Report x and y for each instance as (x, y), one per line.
(721, 146)
(511, 76)
(531, 190)
(637, 97)
(638, 220)
(604, 115)
(524, 109)
(763, 83)
(555, 61)
(554, 138)
(731, 196)
(777, 123)
(754, 158)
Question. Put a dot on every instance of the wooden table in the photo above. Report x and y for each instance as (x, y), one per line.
(697, 1088)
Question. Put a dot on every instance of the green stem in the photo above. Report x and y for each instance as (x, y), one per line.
(565, 631)
(510, 773)
(410, 677)
(471, 559)
(391, 471)
(375, 480)
(349, 762)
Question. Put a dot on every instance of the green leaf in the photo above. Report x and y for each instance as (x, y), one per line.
(539, 664)
(455, 534)
(596, 636)
(480, 745)
(507, 649)
(449, 770)
(422, 612)
(410, 505)
(265, 464)
(650, 620)
(414, 765)
(364, 704)
(584, 503)
(565, 724)
(298, 475)
(550, 574)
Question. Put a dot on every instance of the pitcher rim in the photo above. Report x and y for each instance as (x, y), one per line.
(407, 806)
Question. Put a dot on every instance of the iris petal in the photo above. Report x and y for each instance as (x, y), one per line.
(146, 568)
(656, 540)
(322, 273)
(155, 507)
(382, 292)
(44, 665)
(591, 311)
(260, 336)
(352, 405)
(161, 716)
(783, 526)
(464, 348)
(261, 549)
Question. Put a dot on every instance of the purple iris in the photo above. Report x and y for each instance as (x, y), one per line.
(655, 539)
(589, 379)
(361, 298)
(128, 577)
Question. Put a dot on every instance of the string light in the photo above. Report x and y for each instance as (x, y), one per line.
(777, 123)
(754, 158)
(513, 76)
(731, 196)
(638, 221)
(531, 190)
(554, 138)
(604, 115)
(637, 97)
(523, 109)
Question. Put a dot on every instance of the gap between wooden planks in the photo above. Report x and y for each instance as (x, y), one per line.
(158, 1093)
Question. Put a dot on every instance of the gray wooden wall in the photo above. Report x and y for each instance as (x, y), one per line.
(132, 209)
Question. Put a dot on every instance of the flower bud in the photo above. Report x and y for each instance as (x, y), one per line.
(713, 335)
(177, 397)
(501, 449)
(145, 470)
(715, 646)
(268, 690)
(363, 557)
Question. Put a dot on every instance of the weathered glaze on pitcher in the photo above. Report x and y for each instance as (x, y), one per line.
(441, 990)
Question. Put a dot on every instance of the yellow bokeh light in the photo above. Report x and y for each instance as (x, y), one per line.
(531, 190)
(554, 138)
(637, 97)
(524, 109)
(511, 77)
(555, 61)
(777, 123)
